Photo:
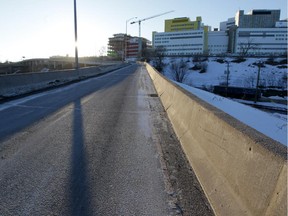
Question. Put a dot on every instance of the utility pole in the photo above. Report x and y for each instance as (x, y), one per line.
(75, 28)
(227, 77)
(258, 79)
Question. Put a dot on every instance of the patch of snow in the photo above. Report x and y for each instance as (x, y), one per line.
(272, 125)
(242, 74)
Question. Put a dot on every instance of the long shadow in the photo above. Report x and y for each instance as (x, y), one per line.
(13, 120)
(17, 118)
(80, 198)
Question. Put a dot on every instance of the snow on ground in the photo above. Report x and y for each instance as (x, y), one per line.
(272, 125)
(242, 74)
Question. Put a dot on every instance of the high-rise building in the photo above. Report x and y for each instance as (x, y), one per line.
(224, 26)
(116, 46)
(259, 32)
(259, 41)
(118, 49)
(183, 24)
(257, 19)
(180, 43)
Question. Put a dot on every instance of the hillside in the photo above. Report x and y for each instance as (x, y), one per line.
(273, 73)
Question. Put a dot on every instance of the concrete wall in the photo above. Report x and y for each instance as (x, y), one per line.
(17, 84)
(242, 171)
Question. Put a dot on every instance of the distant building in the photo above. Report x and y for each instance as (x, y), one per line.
(282, 24)
(224, 26)
(259, 41)
(119, 50)
(180, 43)
(132, 47)
(182, 37)
(116, 46)
(260, 32)
(183, 24)
(257, 19)
(217, 42)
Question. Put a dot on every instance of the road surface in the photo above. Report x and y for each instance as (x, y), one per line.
(103, 146)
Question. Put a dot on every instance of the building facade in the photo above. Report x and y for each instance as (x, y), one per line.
(122, 46)
(217, 42)
(257, 18)
(224, 26)
(180, 43)
(260, 32)
(183, 24)
(260, 41)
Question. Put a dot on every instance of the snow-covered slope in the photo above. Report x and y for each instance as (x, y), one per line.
(272, 125)
(242, 74)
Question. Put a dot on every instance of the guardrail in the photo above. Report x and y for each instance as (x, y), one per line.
(242, 171)
(17, 84)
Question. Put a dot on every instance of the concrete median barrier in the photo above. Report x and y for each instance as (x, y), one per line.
(242, 171)
(17, 84)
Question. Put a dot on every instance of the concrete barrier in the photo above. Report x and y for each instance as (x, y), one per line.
(17, 84)
(242, 171)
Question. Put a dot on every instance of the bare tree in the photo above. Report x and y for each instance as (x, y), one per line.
(250, 81)
(245, 48)
(159, 54)
(179, 71)
(282, 81)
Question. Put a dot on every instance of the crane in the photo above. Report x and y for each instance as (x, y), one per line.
(139, 22)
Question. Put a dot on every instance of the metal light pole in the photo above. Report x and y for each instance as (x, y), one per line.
(75, 28)
(125, 38)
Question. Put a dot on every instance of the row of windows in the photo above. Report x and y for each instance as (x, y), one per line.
(187, 24)
(166, 40)
(262, 35)
(178, 34)
(266, 49)
(280, 39)
(180, 29)
(262, 44)
(181, 54)
(187, 37)
(217, 50)
(261, 32)
(217, 46)
(196, 49)
(182, 45)
(163, 42)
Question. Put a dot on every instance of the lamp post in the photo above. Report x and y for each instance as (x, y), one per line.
(75, 28)
(125, 38)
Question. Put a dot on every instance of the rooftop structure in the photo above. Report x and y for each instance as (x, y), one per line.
(257, 18)
(183, 24)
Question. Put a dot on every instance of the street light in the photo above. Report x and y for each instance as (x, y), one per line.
(125, 38)
(75, 28)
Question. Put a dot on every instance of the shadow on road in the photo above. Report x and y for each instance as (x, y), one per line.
(80, 198)
(25, 114)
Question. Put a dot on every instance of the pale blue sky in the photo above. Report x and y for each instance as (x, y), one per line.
(42, 28)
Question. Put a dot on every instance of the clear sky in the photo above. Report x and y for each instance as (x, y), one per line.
(43, 28)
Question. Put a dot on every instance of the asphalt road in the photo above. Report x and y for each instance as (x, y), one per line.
(94, 148)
